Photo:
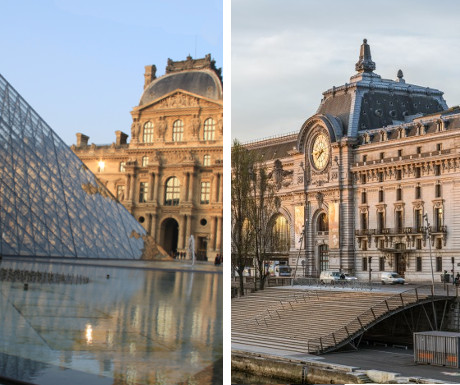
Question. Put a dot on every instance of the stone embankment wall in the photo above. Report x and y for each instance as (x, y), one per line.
(315, 372)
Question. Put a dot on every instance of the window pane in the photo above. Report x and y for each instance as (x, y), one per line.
(172, 192)
(148, 132)
(209, 129)
(143, 189)
(178, 131)
(205, 192)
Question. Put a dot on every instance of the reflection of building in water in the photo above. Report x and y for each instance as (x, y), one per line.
(51, 204)
(169, 175)
(157, 324)
(364, 172)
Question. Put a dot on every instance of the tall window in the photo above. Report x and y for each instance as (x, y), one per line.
(364, 263)
(380, 221)
(143, 190)
(399, 194)
(145, 161)
(323, 222)
(122, 166)
(438, 190)
(381, 263)
(439, 218)
(205, 193)
(172, 192)
(418, 219)
(209, 129)
(438, 263)
(398, 174)
(178, 131)
(363, 197)
(148, 132)
(399, 221)
(381, 195)
(381, 177)
(207, 160)
(121, 193)
(418, 264)
(363, 221)
(280, 232)
(418, 172)
(418, 192)
(323, 257)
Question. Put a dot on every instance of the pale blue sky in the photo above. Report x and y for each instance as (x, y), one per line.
(285, 53)
(80, 64)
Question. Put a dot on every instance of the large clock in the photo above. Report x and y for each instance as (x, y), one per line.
(320, 150)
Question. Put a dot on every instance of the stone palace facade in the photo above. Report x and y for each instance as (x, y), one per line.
(169, 174)
(371, 182)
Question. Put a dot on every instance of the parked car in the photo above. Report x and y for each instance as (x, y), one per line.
(349, 277)
(391, 278)
(329, 276)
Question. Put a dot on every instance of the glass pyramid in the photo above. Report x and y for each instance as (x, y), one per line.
(50, 203)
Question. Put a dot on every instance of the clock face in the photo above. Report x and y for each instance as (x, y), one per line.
(320, 151)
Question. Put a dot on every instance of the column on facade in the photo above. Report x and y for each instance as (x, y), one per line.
(188, 230)
(212, 234)
(219, 234)
(132, 188)
(182, 243)
(154, 227)
(186, 192)
(128, 190)
(214, 188)
(152, 186)
(190, 187)
(221, 188)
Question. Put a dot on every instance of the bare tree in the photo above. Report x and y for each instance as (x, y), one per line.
(264, 206)
(242, 231)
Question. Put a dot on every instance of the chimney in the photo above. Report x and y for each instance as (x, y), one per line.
(121, 138)
(82, 140)
(149, 75)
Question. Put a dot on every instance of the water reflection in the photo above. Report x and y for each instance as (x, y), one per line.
(138, 327)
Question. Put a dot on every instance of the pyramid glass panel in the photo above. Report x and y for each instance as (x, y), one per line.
(50, 203)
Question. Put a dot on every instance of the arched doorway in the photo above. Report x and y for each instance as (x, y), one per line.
(169, 235)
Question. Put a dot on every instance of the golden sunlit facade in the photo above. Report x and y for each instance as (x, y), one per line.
(169, 175)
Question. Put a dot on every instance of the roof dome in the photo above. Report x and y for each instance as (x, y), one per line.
(196, 76)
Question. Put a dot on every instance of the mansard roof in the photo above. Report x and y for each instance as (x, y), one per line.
(198, 76)
(368, 102)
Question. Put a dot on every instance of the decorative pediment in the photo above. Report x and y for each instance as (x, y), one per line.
(179, 99)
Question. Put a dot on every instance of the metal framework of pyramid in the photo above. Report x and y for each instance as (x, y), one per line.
(51, 205)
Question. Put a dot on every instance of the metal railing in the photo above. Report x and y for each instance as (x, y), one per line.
(376, 313)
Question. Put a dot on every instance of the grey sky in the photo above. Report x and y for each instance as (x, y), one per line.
(285, 53)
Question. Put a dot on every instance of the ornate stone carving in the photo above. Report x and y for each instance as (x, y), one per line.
(162, 126)
(196, 124)
(281, 178)
(178, 100)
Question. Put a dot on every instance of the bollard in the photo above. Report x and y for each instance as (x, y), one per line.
(108, 276)
(26, 286)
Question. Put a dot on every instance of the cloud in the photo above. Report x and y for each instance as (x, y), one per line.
(286, 53)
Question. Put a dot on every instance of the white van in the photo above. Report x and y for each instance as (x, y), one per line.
(391, 278)
(329, 276)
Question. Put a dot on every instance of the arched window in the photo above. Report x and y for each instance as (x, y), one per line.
(209, 129)
(207, 160)
(148, 132)
(145, 161)
(172, 192)
(178, 131)
(323, 222)
(280, 234)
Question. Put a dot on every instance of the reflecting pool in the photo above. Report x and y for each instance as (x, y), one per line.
(125, 326)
